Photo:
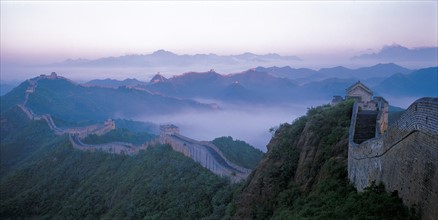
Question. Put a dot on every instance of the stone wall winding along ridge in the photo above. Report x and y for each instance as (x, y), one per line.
(405, 158)
(207, 155)
(111, 147)
(76, 133)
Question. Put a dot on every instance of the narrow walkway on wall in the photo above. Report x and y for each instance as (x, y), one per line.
(365, 126)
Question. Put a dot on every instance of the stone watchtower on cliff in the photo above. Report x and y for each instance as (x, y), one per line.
(168, 129)
(371, 112)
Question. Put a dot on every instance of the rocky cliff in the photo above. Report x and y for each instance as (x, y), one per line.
(304, 175)
(295, 157)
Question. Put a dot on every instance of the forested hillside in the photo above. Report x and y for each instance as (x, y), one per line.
(304, 175)
(44, 177)
(239, 152)
(63, 99)
(158, 183)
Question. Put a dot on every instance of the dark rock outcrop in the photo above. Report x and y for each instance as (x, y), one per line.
(296, 155)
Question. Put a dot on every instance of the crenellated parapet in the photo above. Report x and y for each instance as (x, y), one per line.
(205, 153)
(404, 158)
(97, 129)
(111, 147)
(421, 116)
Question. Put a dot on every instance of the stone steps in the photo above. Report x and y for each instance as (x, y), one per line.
(365, 126)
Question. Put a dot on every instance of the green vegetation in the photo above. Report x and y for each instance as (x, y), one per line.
(42, 176)
(335, 198)
(14, 97)
(120, 134)
(65, 100)
(47, 178)
(156, 184)
(22, 139)
(74, 103)
(60, 123)
(304, 175)
(239, 152)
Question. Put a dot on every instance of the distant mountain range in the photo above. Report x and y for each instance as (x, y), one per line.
(109, 98)
(397, 53)
(304, 75)
(64, 99)
(248, 86)
(423, 82)
(166, 58)
(285, 84)
(161, 58)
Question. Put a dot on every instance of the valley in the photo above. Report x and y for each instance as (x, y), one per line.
(208, 155)
(219, 110)
(51, 117)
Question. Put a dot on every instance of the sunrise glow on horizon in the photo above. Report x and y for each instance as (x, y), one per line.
(53, 31)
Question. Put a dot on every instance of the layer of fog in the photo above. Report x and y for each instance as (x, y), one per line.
(247, 123)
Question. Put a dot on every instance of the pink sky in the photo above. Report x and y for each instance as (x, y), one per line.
(50, 31)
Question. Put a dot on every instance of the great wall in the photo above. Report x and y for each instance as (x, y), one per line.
(403, 156)
(205, 153)
(74, 132)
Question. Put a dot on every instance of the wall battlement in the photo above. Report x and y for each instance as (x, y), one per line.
(205, 153)
(366, 108)
(404, 158)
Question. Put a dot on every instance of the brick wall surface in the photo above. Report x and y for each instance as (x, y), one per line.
(200, 152)
(405, 158)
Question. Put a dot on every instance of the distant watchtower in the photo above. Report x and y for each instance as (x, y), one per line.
(168, 129)
(371, 113)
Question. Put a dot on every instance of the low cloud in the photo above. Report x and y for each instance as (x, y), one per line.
(247, 123)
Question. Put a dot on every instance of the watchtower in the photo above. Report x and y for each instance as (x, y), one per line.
(370, 112)
(168, 129)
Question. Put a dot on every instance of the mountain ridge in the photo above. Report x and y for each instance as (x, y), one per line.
(269, 85)
(305, 75)
(67, 100)
(398, 53)
(422, 82)
(161, 57)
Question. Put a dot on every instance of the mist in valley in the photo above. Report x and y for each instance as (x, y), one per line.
(250, 123)
(244, 122)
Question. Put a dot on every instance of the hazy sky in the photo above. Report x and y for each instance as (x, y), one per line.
(50, 31)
